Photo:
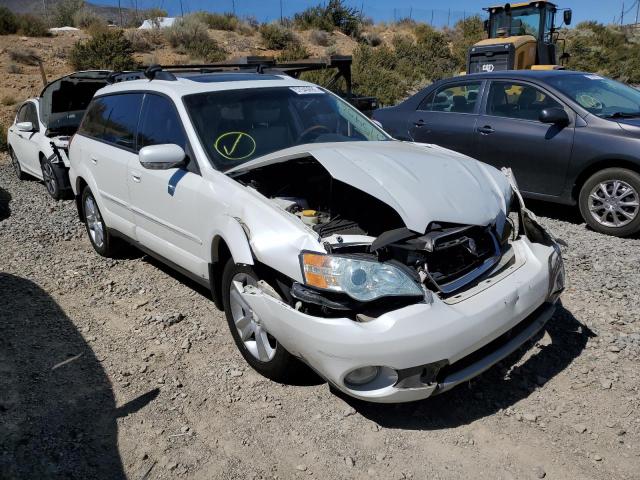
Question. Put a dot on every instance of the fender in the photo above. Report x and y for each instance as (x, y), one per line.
(235, 236)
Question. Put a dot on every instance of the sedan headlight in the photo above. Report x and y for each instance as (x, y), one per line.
(362, 280)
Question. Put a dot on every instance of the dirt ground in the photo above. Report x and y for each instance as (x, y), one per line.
(113, 369)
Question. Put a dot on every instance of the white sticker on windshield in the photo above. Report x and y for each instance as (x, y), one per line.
(306, 90)
(594, 77)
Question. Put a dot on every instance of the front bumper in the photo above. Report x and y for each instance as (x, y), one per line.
(449, 331)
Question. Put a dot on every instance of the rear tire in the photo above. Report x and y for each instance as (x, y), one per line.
(261, 350)
(610, 202)
(16, 165)
(101, 240)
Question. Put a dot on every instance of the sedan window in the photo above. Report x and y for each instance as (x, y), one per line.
(514, 100)
(460, 98)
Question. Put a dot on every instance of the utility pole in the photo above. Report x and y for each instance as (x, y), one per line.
(622, 14)
(432, 17)
(280, 11)
(181, 9)
(448, 17)
(120, 12)
(637, 12)
(233, 6)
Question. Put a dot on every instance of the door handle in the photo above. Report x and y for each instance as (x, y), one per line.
(420, 123)
(136, 177)
(94, 160)
(486, 130)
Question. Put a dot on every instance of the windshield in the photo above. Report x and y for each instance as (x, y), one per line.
(601, 96)
(523, 21)
(236, 126)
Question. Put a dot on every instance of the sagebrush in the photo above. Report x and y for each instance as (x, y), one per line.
(276, 36)
(190, 35)
(106, 49)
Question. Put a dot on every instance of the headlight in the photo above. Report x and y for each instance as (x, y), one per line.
(360, 279)
(556, 274)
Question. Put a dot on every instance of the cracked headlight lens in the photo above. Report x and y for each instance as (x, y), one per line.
(360, 279)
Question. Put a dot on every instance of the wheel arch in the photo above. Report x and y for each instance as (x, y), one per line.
(81, 183)
(598, 166)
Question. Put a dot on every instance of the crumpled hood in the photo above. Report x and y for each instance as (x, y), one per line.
(423, 183)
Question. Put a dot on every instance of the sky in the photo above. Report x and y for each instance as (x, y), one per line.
(438, 12)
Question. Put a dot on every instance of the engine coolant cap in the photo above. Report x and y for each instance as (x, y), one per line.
(309, 213)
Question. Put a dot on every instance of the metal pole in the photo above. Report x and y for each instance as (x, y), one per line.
(448, 17)
(233, 6)
(622, 14)
(280, 11)
(432, 17)
(181, 9)
(637, 12)
(120, 11)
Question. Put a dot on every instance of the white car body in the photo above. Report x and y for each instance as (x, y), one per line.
(46, 142)
(185, 223)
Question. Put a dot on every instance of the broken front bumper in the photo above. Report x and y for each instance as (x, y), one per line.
(467, 334)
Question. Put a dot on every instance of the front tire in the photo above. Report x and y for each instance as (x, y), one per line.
(99, 236)
(51, 178)
(610, 202)
(260, 349)
(16, 165)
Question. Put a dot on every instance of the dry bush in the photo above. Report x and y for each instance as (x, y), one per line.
(371, 38)
(14, 68)
(8, 21)
(144, 40)
(85, 19)
(190, 35)
(24, 56)
(32, 26)
(8, 100)
(3, 138)
(320, 37)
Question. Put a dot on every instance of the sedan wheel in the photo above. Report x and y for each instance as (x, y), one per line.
(610, 201)
(49, 178)
(613, 203)
(16, 165)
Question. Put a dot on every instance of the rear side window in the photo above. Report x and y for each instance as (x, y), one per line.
(460, 98)
(160, 123)
(28, 113)
(516, 100)
(113, 119)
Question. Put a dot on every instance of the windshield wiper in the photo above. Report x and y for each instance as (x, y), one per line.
(623, 115)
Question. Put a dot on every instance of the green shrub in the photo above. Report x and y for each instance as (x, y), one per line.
(65, 11)
(190, 35)
(144, 40)
(219, 21)
(374, 74)
(334, 15)
(464, 34)
(32, 26)
(275, 36)
(8, 21)
(107, 49)
(294, 51)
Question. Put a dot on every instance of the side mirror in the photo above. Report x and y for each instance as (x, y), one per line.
(25, 126)
(554, 115)
(161, 157)
(566, 16)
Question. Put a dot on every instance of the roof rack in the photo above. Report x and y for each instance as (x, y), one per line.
(260, 65)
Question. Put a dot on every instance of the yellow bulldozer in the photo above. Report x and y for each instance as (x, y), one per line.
(520, 36)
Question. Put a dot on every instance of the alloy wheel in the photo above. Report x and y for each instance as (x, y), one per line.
(614, 203)
(94, 221)
(15, 163)
(49, 178)
(256, 339)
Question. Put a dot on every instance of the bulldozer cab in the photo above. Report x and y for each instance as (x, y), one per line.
(521, 36)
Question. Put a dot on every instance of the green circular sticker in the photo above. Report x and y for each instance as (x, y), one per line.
(235, 145)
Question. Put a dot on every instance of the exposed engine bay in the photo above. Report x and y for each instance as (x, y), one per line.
(446, 259)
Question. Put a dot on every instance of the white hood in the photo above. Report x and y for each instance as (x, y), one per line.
(423, 183)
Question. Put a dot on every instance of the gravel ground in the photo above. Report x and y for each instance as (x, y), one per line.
(123, 369)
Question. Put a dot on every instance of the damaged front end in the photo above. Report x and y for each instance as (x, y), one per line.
(372, 263)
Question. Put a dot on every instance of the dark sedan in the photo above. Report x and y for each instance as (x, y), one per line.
(570, 137)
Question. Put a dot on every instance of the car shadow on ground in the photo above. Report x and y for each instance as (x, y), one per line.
(5, 198)
(493, 390)
(565, 213)
(57, 408)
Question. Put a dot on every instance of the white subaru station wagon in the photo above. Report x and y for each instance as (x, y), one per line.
(395, 270)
